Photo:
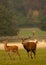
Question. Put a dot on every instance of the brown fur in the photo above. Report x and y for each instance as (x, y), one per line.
(9, 49)
(30, 47)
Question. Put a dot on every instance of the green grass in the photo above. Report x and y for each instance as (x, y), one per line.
(40, 58)
(28, 32)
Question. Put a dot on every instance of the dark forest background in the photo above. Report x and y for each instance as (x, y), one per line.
(15, 14)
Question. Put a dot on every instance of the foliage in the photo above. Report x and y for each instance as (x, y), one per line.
(7, 21)
(20, 13)
(43, 24)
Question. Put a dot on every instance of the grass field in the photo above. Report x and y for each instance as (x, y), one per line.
(28, 32)
(40, 58)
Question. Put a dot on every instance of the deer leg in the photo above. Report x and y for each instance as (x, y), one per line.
(8, 53)
(28, 54)
(18, 54)
(31, 55)
(34, 52)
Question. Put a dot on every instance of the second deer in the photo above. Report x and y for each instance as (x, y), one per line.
(9, 49)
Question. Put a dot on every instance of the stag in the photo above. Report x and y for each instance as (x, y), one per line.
(30, 47)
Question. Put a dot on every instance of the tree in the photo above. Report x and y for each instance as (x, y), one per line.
(43, 23)
(7, 21)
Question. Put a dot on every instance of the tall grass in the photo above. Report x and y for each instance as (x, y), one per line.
(40, 58)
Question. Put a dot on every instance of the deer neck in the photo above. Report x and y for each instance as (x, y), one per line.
(5, 45)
